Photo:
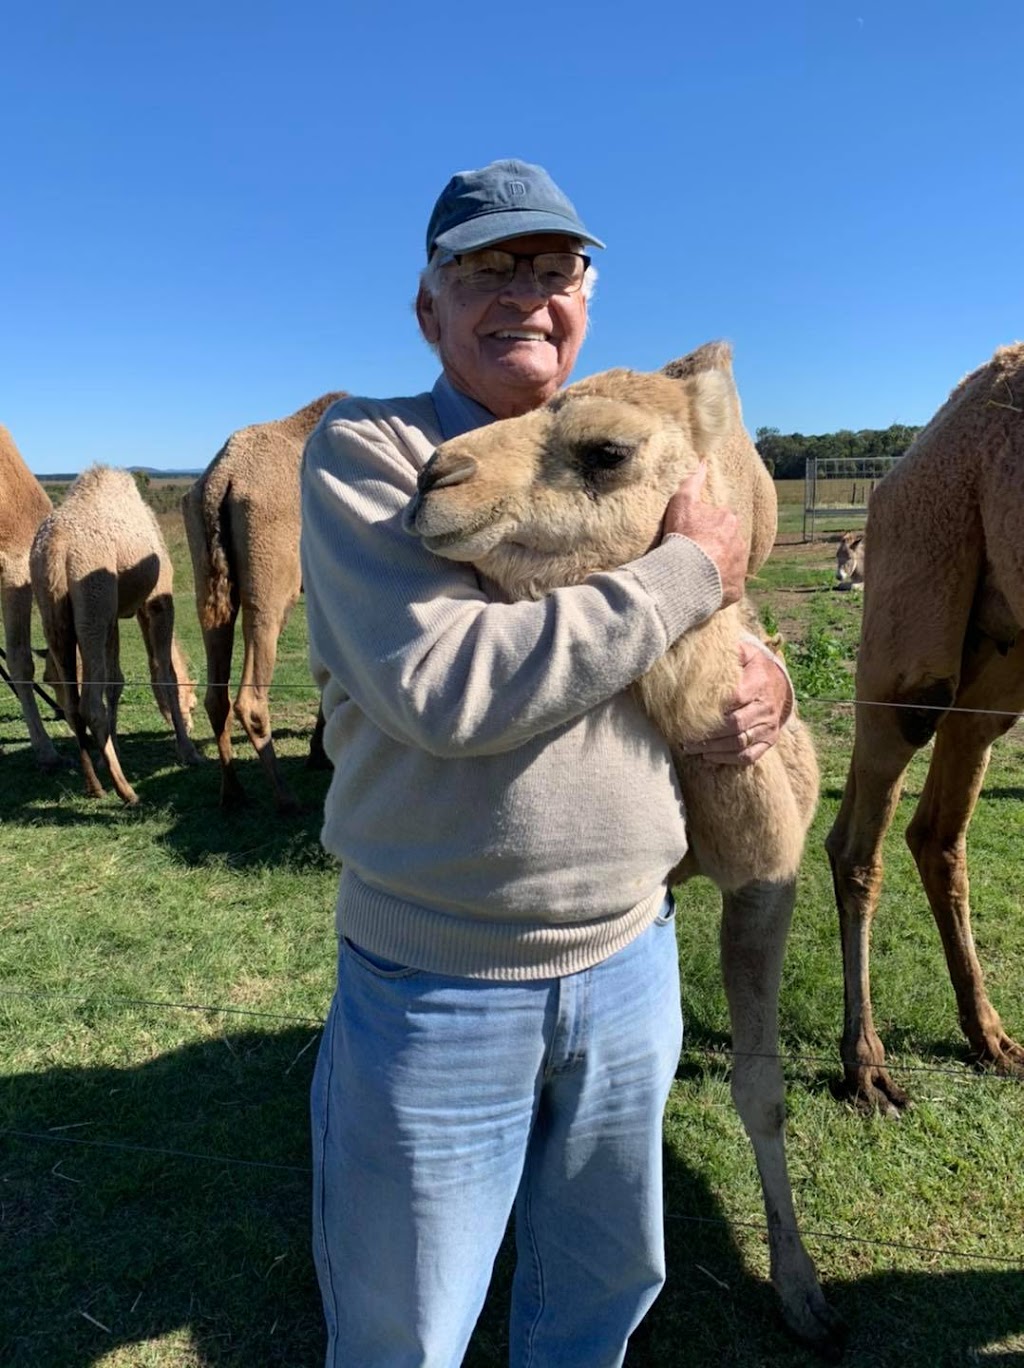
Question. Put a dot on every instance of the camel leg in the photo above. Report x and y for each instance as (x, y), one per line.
(219, 643)
(318, 759)
(937, 837)
(17, 612)
(102, 684)
(252, 703)
(881, 753)
(71, 701)
(156, 619)
(755, 923)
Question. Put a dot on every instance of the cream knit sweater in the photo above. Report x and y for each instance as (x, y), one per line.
(501, 806)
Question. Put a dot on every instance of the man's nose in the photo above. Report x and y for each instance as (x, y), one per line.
(522, 291)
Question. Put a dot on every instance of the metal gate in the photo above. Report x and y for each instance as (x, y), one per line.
(837, 490)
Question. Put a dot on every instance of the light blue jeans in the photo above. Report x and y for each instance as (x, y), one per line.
(440, 1104)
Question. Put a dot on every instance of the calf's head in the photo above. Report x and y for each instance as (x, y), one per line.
(576, 486)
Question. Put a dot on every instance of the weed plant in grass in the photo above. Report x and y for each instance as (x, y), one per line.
(154, 1185)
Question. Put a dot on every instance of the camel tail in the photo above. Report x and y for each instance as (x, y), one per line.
(204, 509)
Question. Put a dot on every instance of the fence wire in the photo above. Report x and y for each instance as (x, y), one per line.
(120, 1146)
(311, 689)
(708, 1053)
(796, 1058)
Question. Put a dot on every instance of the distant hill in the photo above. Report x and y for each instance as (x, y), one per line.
(152, 472)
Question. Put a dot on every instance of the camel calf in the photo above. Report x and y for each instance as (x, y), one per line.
(242, 517)
(941, 640)
(579, 486)
(97, 558)
(23, 505)
(850, 561)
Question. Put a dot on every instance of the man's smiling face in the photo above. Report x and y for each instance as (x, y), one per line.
(512, 350)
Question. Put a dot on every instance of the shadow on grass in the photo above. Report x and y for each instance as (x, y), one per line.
(146, 1243)
(183, 803)
(108, 1247)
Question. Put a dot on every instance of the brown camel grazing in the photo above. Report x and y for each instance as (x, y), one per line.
(578, 486)
(941, 640)
(97, 558)
(850, 561)
(23, 506)
(243, 519)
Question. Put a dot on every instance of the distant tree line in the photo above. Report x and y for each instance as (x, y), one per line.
(785, 454)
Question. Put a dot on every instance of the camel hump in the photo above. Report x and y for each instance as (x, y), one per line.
(711, 356)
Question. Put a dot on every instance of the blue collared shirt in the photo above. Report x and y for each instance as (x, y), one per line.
(456, 412)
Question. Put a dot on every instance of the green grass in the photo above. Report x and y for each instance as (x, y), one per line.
(187, 1261)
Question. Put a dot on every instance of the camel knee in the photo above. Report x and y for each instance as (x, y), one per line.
(19, 660)
(920, 709)
(93, 711)
(254, 716)
(857, 883)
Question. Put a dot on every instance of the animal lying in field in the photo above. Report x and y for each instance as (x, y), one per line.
(242, 517)
(579, 486)
(850, 561)
(941, 639)
(23, 505)
(99, 557)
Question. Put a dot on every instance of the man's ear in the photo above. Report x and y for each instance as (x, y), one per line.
(426, 316)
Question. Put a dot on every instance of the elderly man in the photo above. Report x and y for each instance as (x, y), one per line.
(506, 1023)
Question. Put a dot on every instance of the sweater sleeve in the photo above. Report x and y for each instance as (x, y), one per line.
(416, 642)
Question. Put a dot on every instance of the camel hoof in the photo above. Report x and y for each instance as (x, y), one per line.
(815, 1325)
(1006, 1057)
(871, 1091)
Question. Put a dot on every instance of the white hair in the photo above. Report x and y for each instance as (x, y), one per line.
(433, 281)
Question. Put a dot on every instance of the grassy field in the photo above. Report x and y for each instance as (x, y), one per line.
(163, 974)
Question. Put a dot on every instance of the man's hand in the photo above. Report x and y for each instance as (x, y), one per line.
(752, 722)
(715, 530)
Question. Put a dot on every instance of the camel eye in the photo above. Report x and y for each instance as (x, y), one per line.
(604, 455)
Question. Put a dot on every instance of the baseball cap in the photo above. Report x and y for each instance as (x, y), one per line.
(503, 200)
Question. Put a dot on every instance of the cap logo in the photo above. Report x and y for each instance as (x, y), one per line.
(516, 188)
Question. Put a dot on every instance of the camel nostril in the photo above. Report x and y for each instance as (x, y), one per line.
(440, 474)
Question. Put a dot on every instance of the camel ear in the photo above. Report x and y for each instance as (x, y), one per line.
(712, 399)
(712, 356)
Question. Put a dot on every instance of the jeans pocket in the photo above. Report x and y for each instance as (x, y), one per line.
(667, 912)
(377, 964)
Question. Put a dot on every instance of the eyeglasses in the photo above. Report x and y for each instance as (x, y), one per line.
(490, 270)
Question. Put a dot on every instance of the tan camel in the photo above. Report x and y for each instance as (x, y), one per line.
(580, 485)
(243, 518)
(99, 557)
(850, 561)
(23, 505)
(943, 612)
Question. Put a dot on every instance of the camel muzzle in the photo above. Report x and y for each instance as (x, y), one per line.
(436, 474)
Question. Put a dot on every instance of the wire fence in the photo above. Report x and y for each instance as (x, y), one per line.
(691, 1052)
(55, 1135)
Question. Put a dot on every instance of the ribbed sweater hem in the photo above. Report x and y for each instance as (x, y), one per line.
(481, 948)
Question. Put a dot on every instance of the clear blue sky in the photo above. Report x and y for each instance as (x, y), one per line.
(211, 213)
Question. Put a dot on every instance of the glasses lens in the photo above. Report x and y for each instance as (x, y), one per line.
(559, 272)
(487, 271)
(490, 270)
